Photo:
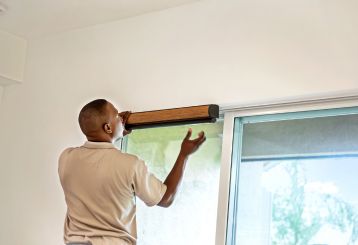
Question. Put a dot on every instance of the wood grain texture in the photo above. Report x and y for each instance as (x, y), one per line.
(176, 116)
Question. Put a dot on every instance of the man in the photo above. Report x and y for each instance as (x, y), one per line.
(101, 183)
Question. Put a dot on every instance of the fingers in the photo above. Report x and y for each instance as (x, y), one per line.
(201, 136)
(125, 115)
(201, 140)
(188, 134)
(126, 132)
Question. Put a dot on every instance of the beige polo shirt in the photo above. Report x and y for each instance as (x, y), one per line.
(100, 184)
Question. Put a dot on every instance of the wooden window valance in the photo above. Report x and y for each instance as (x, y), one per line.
(176, 116)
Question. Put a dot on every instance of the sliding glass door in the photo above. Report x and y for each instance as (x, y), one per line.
(294, 178)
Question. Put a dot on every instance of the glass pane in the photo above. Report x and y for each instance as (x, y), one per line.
(192, 217)
(298, 202)
(297, 180)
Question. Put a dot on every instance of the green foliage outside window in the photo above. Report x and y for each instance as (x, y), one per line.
(298, 215)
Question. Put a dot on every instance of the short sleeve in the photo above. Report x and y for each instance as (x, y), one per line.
(62, 161)
(146, 186)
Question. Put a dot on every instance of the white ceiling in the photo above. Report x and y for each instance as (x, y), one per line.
(36, 18)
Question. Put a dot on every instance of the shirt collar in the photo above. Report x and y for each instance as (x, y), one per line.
(98, 145)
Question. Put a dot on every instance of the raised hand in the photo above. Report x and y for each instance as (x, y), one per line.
(125, 115)
(189, 146)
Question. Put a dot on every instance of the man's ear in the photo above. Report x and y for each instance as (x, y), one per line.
(107, 128)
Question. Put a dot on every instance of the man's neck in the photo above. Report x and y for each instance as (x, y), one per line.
(99, 139)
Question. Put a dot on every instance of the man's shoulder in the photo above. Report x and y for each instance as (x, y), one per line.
(125, 156)
(67, 151)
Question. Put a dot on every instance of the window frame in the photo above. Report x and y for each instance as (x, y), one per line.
(234, 119)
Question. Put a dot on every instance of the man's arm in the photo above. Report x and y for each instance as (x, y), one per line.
(175, 176)
(125, 115)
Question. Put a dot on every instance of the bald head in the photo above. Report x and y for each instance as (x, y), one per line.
(93, 116)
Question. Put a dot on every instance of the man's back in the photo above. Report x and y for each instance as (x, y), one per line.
(100, 183)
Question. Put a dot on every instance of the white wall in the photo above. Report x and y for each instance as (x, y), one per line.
(12, 58)
(209, 52)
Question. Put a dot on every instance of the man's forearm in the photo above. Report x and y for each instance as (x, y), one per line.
(176, 174)
(173, 180)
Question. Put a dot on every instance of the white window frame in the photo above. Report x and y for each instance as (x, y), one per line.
(230, 113)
